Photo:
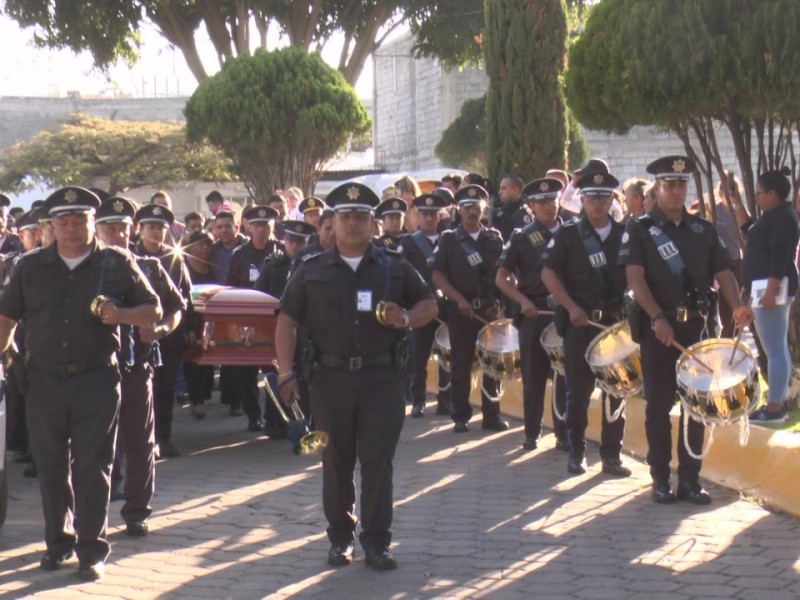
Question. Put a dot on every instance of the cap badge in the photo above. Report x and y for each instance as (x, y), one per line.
(472, 192)
(545, 187)
(353, 193)
(679, 166)
(312, 203)
(598, 179)
(157, 211)
(118, 206)
(71, 196)
(262, 213)
(395, 204)
(298, 228)
(428, 201)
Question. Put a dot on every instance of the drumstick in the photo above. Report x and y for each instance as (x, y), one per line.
(692, 356)
(738, 339)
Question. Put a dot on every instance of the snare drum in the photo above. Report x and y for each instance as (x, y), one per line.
(731, 393)
(553, 345)
(441, 347)
(498, 350)
(614, 359)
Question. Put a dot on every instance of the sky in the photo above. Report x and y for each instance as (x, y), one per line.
(29, 71)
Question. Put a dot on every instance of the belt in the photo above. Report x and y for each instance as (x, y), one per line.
(71, 369)
(605, 314)
(355, 363)
(682, 314)
(479, 303)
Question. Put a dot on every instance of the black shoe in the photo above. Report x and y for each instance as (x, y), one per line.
(137, 528)
(576, 465)
(255, 425)
(418, 410)
(380, 558)
(460, 427)
(30, 471)
(662, 493)
(236, 412)
(340, 555)
(693, 493)
(615, 467)
(168, 450)
(183, 400)
(91, 572)
(117, 491)
(562, 445)
(54, 560)
(495, 425)
(444, 407)
(531, 442)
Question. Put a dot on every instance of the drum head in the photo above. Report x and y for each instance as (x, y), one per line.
(499, 336)
(716, 354)
(550, 337)
(611, 346)
(442, 336)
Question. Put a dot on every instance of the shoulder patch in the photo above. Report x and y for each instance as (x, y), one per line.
(551, 243)
(625, 237)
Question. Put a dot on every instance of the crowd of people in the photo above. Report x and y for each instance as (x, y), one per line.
(96, 310)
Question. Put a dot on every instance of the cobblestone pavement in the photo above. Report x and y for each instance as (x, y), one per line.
(239, 516)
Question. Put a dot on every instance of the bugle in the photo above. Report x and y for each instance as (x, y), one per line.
(310, 442)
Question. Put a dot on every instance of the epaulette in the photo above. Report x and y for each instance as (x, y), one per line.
(31, 252)
(645, 220)
(392, 252)
(570, 223)
(308, 257)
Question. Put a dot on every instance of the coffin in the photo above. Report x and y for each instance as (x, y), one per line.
(233, 327)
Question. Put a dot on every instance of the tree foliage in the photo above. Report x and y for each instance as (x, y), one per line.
(524, 47)
(279, 116)
(735, 67)
(128, 153)
(463, 142)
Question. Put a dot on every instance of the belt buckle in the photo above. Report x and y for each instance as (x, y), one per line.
(597, 314)
(355, 363)
(476, 303)
(69, 370)
(682, 314)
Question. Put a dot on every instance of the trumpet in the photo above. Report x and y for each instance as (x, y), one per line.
(311, 442)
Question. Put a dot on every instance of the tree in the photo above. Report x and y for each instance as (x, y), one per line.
(277, 115)
(128, 153)
(524, 49)
(734, 68)
(110, 29)
(463, 143)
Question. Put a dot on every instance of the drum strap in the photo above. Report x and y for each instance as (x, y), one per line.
(668, 251)
(598, 260)
(475, 260)
(425, 246)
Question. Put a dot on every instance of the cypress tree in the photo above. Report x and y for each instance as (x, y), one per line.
(524, 49)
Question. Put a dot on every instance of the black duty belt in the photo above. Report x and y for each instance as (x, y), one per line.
(605, 314)
(355, 363)
(683, 314)
(479, 303)
(71, 369)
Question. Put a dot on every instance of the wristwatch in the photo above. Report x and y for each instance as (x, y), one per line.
(406, 319)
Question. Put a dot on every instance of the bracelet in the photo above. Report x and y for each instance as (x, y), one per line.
(286, 381)
(286, 373)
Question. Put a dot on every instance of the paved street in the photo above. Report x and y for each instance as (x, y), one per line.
(239, 516)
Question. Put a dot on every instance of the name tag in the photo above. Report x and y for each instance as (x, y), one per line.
(364, 301)
(667, 250)
(253, 274)
(598, 259)
(474, 259)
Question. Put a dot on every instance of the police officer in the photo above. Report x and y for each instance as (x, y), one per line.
(464, 269)
(154, 223)
(311, 208)
(672, 259)
(357, 390)
(521, 261)
(246, 262)
(9, 242)
(73, 395)
(138, 357)
(418, 250)
(581, 271)
(391, 213)
(322, 241)
(511, 212)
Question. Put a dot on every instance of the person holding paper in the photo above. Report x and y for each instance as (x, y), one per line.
(770, 273)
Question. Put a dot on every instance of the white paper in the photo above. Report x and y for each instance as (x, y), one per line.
(364, 301)
(759, 288)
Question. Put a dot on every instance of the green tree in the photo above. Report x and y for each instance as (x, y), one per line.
(279, 116)
(128, 154)
(463, 143)
(524, 49)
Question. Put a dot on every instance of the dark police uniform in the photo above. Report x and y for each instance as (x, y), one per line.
(476, 284)
(11, 243)
(685, 304)
(73, 379)
(391, 206)
(521, 256)
(418, 251)
(134, 459)
(246, 262)
(357, 390)
(598, 291)
(171, 346)
(512, 215)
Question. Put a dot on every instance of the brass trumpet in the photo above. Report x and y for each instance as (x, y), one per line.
(311, 442)
(97, 305)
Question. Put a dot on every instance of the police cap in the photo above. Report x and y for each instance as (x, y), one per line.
(391, 206)
(598, 184)
(672, 168)
(433, 202)
(311, 203)
(595, 165)
(72, 200)
(155, 213)
(27, 220)
(116, 210)
(260, 214)
(352, 197)
(297, 229)
(544, 188)
(470, 195)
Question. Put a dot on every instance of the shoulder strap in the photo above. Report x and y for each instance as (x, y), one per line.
(668, 251)
(597, 258)
(470, 249)
(424, 244)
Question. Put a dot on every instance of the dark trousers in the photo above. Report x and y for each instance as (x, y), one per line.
(243, 382)
(363, 414)
(463, 338)
(16, 422)
(199, 381)
(422, 342)
(660, 390)
(580, 385)
(135, 457)
(535, 372)
(164, 385)
(73, 425)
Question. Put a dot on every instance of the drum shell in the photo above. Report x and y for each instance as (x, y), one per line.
(443, 352)
(728, 404)
(498, 350)
(553, 345)
(621, 377)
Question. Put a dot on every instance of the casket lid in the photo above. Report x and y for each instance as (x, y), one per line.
(222, 300)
